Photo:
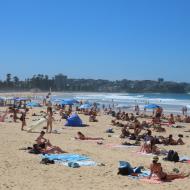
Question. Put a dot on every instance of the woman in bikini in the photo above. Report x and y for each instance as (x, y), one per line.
(156, 169)
(49, 119)
(23, 119)
(81, 136)
(45, 147)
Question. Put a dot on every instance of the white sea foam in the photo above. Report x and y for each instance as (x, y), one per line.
(170, 102)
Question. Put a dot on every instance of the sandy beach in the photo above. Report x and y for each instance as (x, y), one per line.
(20, 170)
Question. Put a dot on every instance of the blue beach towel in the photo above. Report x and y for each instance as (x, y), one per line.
(70, 160)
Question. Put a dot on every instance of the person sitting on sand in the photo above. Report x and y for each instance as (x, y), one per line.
(132, 117)
(178, 118)
(171, 119)
(144, 124)
(156, 169)
(148, 136)
(158, 113)
(149, 147)
(92, 118)
(186, 119)
(81, 136)
(114, 122)
(126, 117)
(125, 132)
(171, 141)
(137, 127)
(45, 147)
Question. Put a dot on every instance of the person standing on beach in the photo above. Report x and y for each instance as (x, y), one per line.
(49, 119)
(15, 115)
(23, 119)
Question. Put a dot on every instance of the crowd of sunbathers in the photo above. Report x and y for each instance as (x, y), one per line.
(132, 130)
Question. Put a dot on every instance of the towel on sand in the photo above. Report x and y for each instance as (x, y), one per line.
(143, 174)
(119, 146)
(153, 180)
(185, 159)
(70, 159)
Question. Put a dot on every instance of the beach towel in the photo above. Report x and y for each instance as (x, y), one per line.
(142, 175)
(184, 159)
(119, 146)
(145, 154)
(79, 163)
(164, 152)
(153, 180)
(156, 180)
(71, 160)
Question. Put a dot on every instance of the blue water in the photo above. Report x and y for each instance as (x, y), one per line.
(170, 102)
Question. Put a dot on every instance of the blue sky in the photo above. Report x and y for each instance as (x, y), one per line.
(109, 39)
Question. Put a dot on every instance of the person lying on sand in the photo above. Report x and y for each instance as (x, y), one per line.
(136, 143)
(156, 169)
(83, 137)
(158, 128)
(45, 147)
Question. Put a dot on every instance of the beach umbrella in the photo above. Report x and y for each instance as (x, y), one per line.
(33, 104)
(85, 106)
(69, 102)
(151, 106)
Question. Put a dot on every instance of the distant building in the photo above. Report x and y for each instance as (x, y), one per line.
(60, 82)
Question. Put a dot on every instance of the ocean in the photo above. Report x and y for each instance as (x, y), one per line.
(171, 103)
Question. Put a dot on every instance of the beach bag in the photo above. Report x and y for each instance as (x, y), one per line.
(124, 168)
(172, 156)
(47, 161)
(175, 157)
